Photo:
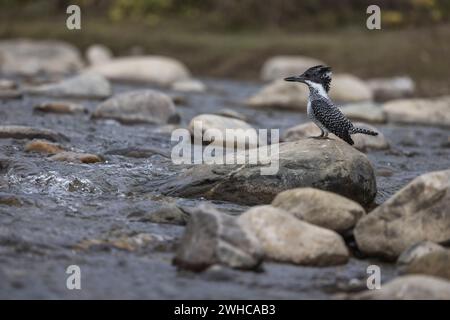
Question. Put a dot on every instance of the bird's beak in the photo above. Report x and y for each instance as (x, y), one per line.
(295, 79)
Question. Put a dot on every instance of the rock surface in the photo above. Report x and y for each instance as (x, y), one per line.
(280, 94)
(189, 85)
(279, 67)
(147, 69)
(211, 237)
(43, 146)
(321, 208)
(24, 132)
(209, 122)
(364, 111)
(98, 54)
(285, 238)
(417, 251)
(30, 57)
(419, 111)
(324, 164)
(60, 107)
(86, 85)
(385, 89)
(165, 213)
(412, 287)
(348, 88)
(435, 263)
(363, 142)
(417, 212)
(76, 157)
(141, 106)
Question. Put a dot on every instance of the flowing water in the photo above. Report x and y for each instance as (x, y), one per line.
(64, 204)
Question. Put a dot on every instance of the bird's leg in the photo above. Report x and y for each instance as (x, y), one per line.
(323, 134)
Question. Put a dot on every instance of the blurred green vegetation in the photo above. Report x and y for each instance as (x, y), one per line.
(233, 38)
(235, 15)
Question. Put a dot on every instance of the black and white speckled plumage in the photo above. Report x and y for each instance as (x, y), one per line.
(321, 110)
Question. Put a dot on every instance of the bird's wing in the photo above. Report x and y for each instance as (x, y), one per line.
(332, 118)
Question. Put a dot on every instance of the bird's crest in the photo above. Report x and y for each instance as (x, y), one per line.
(321, 74)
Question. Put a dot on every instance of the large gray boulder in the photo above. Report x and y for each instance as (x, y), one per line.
(417, 212)
(385, 89)
(212, 237)
(285, 238)
(31, 57)
(141, 106)
(324, 164)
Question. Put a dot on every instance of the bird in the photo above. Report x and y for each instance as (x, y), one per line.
(321, 110)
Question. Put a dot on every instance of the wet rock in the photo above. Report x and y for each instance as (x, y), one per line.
(148, 69)
(76, 157)
(348, 88)
(189, 85)
(363, 142)
(321, 208)
(329, 165)
(417, 212)
(127, 242)
(60, 107)
(10, 94)
(364, 111)
(279, 67)
(8, 199)
(6, 84)
(135, 152)
(86, 85)
(141, 106)
(166, 213)
(230, 113)
(24, 132)
(280, 94)
(98, 54)
(285, 238)
(30, 57)
(43, 146)
(411, 287)
(419, 111)
(435, 263)
(208, 122)
(385, 89)
(417, 251)
(211, 237)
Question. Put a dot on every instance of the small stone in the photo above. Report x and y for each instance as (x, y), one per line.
(417, 251)
(321, 208)
(43, 146)
(10, 94)
(146, 69)
(434, 263)
(411, 287)
(60, 107)
(10, 200)
(24, 132)
(285, 238)
(279, 67)
(419, 111)
(166, 214)
(6, 84)
(76, 157)
(364, 111)
(85, 85)
(220, 124)
(385, 89)
(98, 54)
(141, 106)
(212, 237)
(189, 85)
(230, 113)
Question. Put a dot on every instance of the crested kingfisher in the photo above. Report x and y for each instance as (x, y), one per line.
(321, 110)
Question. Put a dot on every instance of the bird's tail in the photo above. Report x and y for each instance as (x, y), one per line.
(363, 131)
